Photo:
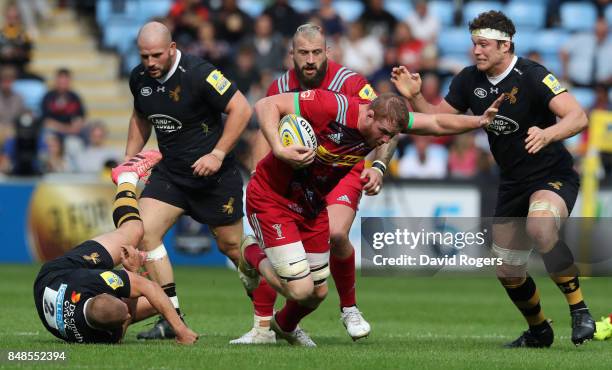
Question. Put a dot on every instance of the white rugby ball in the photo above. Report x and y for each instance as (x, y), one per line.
(294, 129)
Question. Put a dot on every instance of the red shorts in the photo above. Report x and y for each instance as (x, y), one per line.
(349, 189)
(276, 223)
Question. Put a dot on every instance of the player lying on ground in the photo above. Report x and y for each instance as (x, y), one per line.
(81, 298)
(286, 196)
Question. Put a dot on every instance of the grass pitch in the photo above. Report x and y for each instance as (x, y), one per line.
(417, 323)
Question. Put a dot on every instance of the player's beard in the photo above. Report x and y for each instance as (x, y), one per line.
(314, 81)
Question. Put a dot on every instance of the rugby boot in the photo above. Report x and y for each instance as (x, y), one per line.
(141, 164)
(583, 326)
(532, 338)
(161, 330)
(297, 337)
(356, 326)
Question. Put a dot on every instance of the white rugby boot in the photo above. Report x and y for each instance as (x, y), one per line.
(356, 326)
(297, 337)
(258, 334)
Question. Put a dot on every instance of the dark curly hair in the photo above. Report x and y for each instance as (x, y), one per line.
(495, 20)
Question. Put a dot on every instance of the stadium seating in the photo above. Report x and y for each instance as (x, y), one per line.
(523, 42)
(32, 92)
(549, 41)
(349, 10)
(252, 8)
(454, 41)
(399, 8)
(578, 16)
(608, 14)
(473, 8)
(444, 10)
(585, 96)
(302, 6)
(154, 8)
(120, 33)
(526, 14)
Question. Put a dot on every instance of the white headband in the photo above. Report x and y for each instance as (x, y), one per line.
(490, 33)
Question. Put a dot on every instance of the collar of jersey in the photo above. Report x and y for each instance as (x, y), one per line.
(497, 79)
(172, 70)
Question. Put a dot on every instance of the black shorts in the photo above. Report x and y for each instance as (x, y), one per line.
(89, 254)
(513, 198)
(217, 204)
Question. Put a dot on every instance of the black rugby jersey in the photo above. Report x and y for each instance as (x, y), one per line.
(185, 111)
(529, 88)
(61, 301)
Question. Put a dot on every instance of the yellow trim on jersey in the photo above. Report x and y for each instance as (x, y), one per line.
(330, 158)
(367, 92)
(218, 81)
(553, 84)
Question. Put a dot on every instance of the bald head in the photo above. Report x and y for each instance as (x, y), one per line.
(107, 312)
(157, 50)
(154, 33)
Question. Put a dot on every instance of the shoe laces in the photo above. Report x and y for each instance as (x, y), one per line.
(353, 316)
(301, 336)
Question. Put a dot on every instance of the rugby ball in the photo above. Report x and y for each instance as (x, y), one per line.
(295, 130)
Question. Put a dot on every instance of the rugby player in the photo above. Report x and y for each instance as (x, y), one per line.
(81, 298)
(286, 196)
(313, 70)
(183, 98)
(537, 177)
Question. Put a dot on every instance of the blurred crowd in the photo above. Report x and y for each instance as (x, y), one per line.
(52, 133)
(253, 51)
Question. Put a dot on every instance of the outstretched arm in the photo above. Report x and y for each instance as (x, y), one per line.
(160, 301)
(409, 86)
(451, 124)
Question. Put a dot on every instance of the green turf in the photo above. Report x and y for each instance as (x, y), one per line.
(417, 323)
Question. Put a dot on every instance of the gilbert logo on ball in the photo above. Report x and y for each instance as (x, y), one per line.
(295, 130)
(63, 216)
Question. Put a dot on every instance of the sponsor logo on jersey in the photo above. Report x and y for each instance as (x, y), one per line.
(344, 198)
(205, 129)
(480, 92)
(228, 208)
(307, 95)
(93, 258)
(494, 90)
(336, 138)
(112, 280)
(165, 123)
(556, 185)
(218, 81)
(511, 96)
(333, 159)
(70, 322)
(75, 297)
(553, 84)
(146, 91)
(175, 94)
(279, 231)
(161, 89)
(367, 92)
(502, 125)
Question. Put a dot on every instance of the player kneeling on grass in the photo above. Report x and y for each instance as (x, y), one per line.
(81, 298)
(286, 196)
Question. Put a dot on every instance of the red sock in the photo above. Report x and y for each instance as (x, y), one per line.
(254, 255)
(289, 317)
(343, 271)
(263, 299)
